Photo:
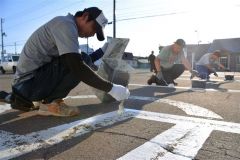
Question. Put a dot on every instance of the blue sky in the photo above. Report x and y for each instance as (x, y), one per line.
(148, 23)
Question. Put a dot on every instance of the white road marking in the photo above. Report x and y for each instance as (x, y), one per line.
(182, 141)
(220, 75)
(188, 108)
(188, 88)
(187, 79)
(178, 142)
(12, 145)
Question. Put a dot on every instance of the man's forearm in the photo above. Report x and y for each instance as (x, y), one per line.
(77, 67)
(157, 64)
(187, 64)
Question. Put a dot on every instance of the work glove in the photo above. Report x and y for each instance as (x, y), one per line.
(214, 72)
(160, 79)
(193, 73)
(119, 92)
(104, 47)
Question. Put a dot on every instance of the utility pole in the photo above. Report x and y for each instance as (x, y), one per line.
(114, 19)
(15, 45)
(2, 34)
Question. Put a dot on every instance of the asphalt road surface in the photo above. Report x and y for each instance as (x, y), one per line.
(158, 123)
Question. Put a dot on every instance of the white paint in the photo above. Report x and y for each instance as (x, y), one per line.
(220, 75)
(14, 145)
(188, 108)
(81, 96)
(188, 88)
(215, 80)
(168, 118)
(172, 144)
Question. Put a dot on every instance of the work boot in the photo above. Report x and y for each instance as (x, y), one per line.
(175, 83)
(161, 82)
(154, 79)
(3, 96)
(58, 108)
(151, 80)
(19, 103)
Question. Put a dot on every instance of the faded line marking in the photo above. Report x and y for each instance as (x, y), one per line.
(188, 79)
(182, 141)
(169, 118)
(188, 88)
(188, 108)
(12, 145)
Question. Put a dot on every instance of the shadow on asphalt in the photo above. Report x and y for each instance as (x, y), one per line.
(217, 85)
(151, 92)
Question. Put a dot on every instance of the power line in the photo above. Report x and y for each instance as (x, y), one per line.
(32, 9)
(127, 19)
(149, 16)
(43, 15)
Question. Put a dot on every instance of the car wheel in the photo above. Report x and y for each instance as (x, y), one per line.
(2, 70)
(14, 69)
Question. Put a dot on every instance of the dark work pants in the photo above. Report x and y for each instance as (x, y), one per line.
(170, 74)
(203, 71)
(51, 81)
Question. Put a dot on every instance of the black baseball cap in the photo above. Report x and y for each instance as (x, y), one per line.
(181, 42)
(97, 15)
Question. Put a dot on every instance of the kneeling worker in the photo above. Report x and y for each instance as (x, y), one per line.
(50, 65)
(170, 64)
(205, 65)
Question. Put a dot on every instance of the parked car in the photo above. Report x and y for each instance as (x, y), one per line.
(9, 63)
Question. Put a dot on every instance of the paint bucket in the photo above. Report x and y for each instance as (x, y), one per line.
(229, 77)
(199, 84)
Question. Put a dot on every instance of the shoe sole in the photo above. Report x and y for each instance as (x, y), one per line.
(47, 113)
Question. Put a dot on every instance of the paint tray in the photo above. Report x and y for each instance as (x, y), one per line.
(200, 84)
